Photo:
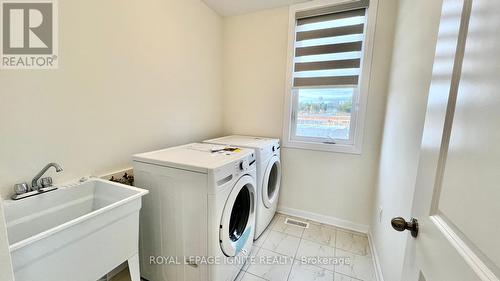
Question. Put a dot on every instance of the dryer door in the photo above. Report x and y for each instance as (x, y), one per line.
(238, 217)
(271, 182)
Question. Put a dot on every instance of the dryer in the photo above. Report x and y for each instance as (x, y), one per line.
(198, 221)
(267, 151)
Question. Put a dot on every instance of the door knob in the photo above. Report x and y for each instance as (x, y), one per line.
(400, 224)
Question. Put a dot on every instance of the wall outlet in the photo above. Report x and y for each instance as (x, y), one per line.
(380, 212)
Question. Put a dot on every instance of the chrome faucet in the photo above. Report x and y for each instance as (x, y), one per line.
(45, 182)
(22, 190)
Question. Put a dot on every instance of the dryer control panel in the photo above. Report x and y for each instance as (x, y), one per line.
(270, 150)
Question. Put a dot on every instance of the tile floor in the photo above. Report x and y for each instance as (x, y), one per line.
(302, 247)
(288, 253)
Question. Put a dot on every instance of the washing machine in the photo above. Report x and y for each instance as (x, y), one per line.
(267, 151)
(198, 221)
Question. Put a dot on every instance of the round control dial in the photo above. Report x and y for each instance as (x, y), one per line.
(244, 165)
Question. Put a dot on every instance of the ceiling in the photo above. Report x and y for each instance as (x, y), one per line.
(237, 7)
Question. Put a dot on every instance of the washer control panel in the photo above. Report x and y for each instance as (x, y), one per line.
(245, 164)
(233, 171)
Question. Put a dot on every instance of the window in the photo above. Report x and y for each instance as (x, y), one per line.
(328, 76)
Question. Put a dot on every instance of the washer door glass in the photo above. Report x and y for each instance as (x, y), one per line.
(271, 182)
(239, 215)
(237, 219)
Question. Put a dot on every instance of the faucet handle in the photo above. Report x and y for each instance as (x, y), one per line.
(21, 188)
(46, 182)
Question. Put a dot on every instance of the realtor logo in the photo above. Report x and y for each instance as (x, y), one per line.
(29, 34)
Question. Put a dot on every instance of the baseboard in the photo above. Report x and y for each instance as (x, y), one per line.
(376, 260)
(324, 219)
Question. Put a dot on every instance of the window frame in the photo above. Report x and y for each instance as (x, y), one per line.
(360, 97)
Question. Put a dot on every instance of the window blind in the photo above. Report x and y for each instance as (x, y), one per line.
(328, 45)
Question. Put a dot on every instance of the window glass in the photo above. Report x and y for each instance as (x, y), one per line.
(324, 113)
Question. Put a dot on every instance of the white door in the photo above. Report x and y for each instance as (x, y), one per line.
(457, 195)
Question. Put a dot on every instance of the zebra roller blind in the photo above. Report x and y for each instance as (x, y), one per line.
(328, 45)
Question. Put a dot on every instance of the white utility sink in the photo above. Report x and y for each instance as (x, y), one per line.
(78, 232)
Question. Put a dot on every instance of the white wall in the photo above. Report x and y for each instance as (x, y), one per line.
(133, 76)
(412, 60)
(329, 184)
(254, 66)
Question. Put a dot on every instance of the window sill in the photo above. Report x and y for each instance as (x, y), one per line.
(334, 148)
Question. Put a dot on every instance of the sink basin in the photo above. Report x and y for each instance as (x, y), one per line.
(82, 230)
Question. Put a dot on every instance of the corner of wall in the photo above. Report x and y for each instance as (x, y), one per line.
(388, 24)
